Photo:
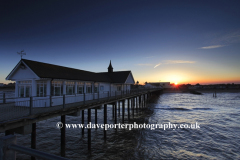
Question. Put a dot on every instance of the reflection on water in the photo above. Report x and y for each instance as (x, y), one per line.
(218, 137)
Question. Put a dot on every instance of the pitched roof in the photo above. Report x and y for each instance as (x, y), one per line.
(117, 77)
(45, 70)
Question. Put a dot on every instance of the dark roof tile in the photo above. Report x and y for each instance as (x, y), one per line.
(45, 70)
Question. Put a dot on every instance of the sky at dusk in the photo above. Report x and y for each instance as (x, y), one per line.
(193, 41)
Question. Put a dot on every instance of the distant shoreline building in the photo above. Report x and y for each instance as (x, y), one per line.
(158, 85)
(38, 79)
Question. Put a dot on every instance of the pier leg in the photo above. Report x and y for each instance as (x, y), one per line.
(4, 99)
(105, 121)
(132, 103)
(123, 110)
(115, 112)
(89, 130)
(33, 139)
(119, 107)
(139, 101)
(128, 110)
(96, 116)
(83, 121)
(63, 136)
(136, 104)
(145, 103)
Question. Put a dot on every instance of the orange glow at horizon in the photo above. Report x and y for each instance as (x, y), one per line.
(187, 76)
(183, 78)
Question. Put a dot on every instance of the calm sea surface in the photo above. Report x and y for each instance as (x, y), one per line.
(217, 138)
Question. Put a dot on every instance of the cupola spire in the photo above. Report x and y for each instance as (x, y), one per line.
(110, 68)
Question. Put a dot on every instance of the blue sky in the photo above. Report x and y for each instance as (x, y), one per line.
(176, 41)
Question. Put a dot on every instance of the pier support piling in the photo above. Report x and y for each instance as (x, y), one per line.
(63, 135)
(83, 121)
(89, 130)
(132, 102)
(115, 112)
(96, 116)
(4, 98)
(139, 101)
(123, 110)
(128, 109)
(64, 99)
(119, 107)
(105, 121)
(33, 139)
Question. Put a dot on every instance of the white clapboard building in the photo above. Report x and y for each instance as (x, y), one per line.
(47, 81)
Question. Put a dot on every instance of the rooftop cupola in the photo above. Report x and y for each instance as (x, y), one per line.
(110, 68)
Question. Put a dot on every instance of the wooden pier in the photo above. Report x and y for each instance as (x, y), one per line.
(20, 123)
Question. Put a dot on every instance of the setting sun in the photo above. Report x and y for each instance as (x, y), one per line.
(176, 83)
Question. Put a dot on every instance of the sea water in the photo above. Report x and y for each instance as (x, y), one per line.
(217, 138)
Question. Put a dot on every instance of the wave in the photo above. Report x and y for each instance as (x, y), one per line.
(201, 109)
(237, 97)
(184, 109)
(174, 109)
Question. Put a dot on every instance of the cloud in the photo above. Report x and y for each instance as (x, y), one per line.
(212, 47)
(147, 64)
(173, 62)
(157, 65)
(225, 39)
(229, 38)
(177, 61)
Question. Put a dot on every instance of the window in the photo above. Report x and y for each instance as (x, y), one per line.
(28, 91)
(80, 87)
(70, 88)
(24, 88)
(96, 88)
(119, 88)
(57, 88)
(101, 88)
(89, 87)
(20, 91)
(41, 88)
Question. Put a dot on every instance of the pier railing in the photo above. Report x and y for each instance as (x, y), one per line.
(15, 108)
